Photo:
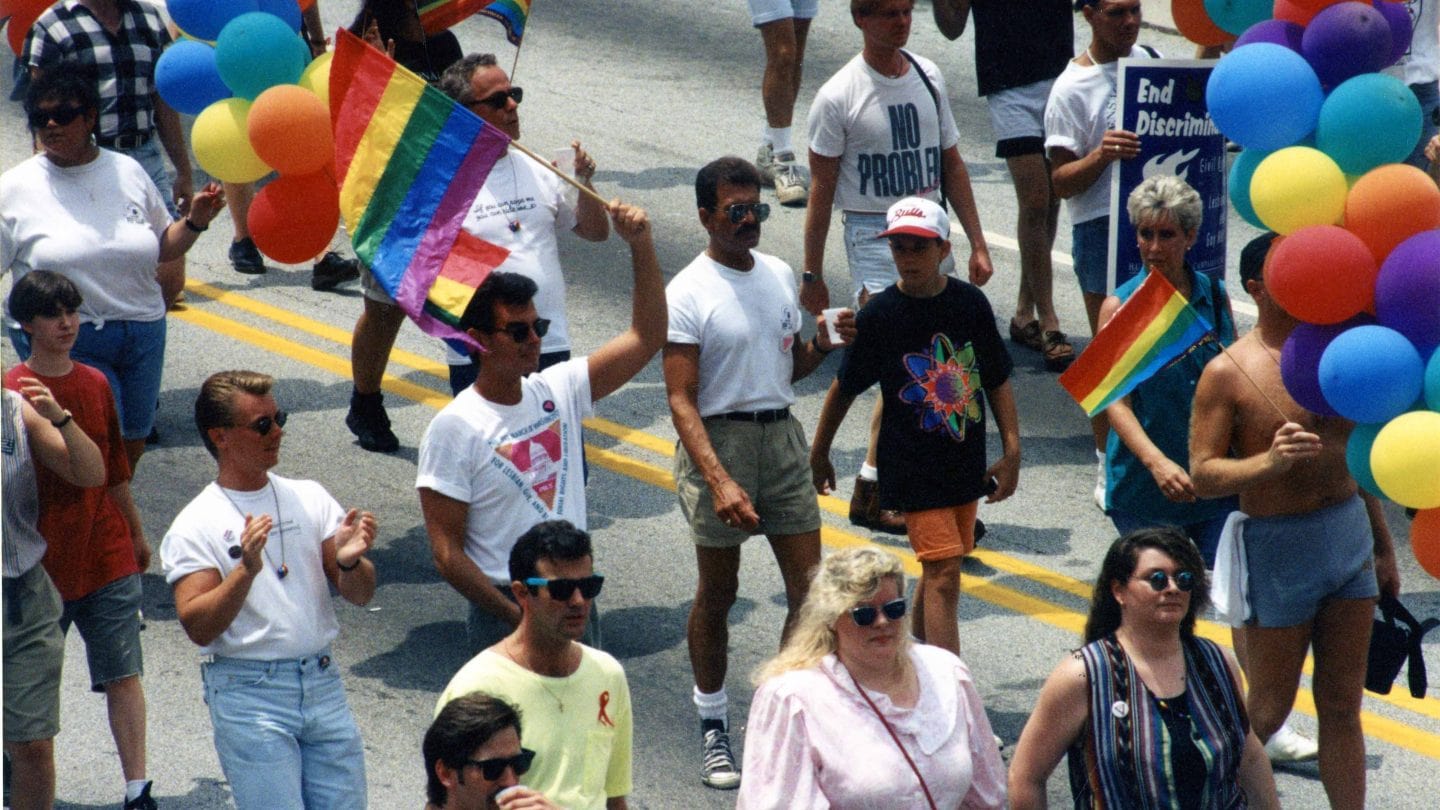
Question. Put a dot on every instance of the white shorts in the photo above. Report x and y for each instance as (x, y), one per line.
(872, 265)
(1017, 116)
(768, 11)
(370, 288)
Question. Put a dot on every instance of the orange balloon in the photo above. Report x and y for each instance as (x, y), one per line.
(1301, 12)
(294, 216)
(1390, 204)
(1196, 25)
(289, 129)
(1425, 540)
(306, 4)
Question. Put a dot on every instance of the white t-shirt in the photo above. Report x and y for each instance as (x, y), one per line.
(745, 325)
(519, 191)
(99, 224)
(885, 132)
(1421, 63)
(1081, 108)
(282, 618)
(515, 465)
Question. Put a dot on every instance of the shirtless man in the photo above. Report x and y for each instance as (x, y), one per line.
(1318, 549)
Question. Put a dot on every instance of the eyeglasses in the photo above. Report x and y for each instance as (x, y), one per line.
(493, 769)
(1184, 580)
(520, 330)
(865, 615)
(499, 98)
(264, 423)
(562, 589)
(39, 119)
(737, 212)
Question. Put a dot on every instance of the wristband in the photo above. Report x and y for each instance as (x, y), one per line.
(815, 344)
(61, 423)
(190, 223)
(350, 567)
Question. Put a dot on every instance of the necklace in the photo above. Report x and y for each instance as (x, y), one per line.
(514, 194)
(559, 701)
(283, 570)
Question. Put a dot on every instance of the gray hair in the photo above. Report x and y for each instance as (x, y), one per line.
(455, 81)
(1163, 194)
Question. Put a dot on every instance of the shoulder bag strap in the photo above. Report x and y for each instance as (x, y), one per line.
(926, 788)
(934, 96)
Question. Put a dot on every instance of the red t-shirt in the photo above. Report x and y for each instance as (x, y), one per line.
(89, 540)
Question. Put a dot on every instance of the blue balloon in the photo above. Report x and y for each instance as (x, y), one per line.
(287, 10)
(1368, 121)
(1264, 96)
(1235, 16)
(257, 51)
(187, 79)
(1432, 382)
(1357, 457)
(205, 19)
(1240, 173)
(1371, 374)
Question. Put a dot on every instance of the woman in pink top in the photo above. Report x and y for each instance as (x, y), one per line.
(852, 714)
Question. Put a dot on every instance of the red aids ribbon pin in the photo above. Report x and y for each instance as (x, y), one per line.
(605, 701)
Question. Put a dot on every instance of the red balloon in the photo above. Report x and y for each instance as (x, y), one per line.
(1425, 540)
(1301, 12)
(1390, 204)
(22, 14)
(1195, 24)
(1322, 274)
(293, 218)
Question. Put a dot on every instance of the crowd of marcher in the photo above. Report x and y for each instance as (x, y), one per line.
(866, 703)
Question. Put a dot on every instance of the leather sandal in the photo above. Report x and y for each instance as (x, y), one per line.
(1027, 335)
(1057, 350)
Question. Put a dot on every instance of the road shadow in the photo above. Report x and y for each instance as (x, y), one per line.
(204, 793)
(423, 662)
(637, 632)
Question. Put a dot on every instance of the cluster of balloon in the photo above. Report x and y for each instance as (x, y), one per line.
(261, 106)
(1323, 134)
(19, 17)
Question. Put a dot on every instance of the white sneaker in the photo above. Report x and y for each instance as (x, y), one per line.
(790, 180)
(1289, 745)
(1100, 481)
(718, 769)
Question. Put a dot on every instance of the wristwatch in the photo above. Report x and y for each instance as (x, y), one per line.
(807, 277)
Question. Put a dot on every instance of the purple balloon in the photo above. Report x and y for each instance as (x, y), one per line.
(1402, 28)
(1279, 32)
(1300, 362)
(1407, 291)
(1345, 40)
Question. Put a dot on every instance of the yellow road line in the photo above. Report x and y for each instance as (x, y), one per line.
(999, 595)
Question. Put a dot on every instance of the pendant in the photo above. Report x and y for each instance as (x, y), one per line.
(283, 571)
(514, 226)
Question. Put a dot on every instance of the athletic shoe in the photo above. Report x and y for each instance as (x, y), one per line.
(790, 180)
(143, 801)
(370, 424)
(246, 258)
(719, 770)
(1289, 745)
(333, 270)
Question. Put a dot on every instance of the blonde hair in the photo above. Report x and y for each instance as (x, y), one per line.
(841, 581)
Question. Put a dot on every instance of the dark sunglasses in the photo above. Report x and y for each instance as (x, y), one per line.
(519, 330)
(39, 119)
(562, 589)
(264, 423)
(865, 615)
(493, 769)
(737, 212)
(1184, 580)
(498, 99)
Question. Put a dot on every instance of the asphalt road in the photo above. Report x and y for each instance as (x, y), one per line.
(653, 90)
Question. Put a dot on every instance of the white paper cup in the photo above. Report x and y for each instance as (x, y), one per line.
(830, 316)
(564, 159)
(507, 791)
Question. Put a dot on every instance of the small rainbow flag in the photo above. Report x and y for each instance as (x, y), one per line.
(1154, 326)
(409, 162)
(438, 15)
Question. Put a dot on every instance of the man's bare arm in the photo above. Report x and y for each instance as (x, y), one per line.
(1212, 471)
(445, 520)
(613, 364)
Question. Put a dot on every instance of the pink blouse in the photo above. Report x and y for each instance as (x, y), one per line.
(813, 742)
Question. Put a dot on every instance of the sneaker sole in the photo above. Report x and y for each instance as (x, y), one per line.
(796, 196)
(727, 782)
(250, 269)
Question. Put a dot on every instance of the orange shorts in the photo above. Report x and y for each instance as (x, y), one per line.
(944, 533)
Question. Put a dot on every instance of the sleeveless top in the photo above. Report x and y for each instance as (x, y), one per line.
(23, 547)
(1123, 756)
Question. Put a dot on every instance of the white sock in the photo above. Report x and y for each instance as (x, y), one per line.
(869, 472)
(1100, 457)
(779, 139)
(133, 788)
(713, 706)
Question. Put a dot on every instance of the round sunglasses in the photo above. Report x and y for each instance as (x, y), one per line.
(1184, 580)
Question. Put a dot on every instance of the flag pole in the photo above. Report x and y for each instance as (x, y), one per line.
(1258, 389)
(562, 175)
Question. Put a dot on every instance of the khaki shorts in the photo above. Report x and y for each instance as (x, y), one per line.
(34, 650)
(942, 534)
(771, 462)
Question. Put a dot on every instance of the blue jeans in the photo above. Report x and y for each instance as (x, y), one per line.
(149, 156)
(1429, 97)
(284, 733)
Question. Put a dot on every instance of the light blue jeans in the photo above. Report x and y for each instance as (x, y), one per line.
(284, 733)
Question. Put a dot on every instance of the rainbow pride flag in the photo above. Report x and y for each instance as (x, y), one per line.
(438, 15)
(1154, 326)
(409, 162)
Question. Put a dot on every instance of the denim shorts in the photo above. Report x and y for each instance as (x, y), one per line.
(872, 267)
(1299, 562)
(768, 11)
(153, 162)
(109, 621)
(284, 732)
(34, 650)
(131, 354)
(1090, 247)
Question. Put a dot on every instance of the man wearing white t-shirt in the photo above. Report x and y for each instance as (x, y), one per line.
(731, 358)
(506, 453)
(251, 560)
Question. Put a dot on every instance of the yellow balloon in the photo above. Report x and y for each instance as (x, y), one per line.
(1405, 459)
(316, 77)
(1296, 187)
(221, 139)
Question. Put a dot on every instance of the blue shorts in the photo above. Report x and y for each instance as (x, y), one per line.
(131, 354)
(109, 621)
(1299, 562)
(1090, 247)
(153, 162)
(1429, 97)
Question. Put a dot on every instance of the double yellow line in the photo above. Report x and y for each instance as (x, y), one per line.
(984, 588)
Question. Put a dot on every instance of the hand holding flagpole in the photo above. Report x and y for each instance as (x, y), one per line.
(584, 189)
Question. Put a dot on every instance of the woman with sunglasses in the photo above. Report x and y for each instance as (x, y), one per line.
(96, 217)
(1174, 732)
(852, 714)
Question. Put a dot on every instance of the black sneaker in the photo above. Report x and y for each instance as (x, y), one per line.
(143, 801)
(718, 769)
(370, 424)
(246, 258)
(333, 270)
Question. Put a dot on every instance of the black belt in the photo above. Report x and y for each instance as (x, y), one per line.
(131, 141)
(762, 417)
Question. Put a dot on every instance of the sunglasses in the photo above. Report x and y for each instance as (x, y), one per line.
(519, 330)
(493, 769)
(865, 615)
(562, 589)
(737, 212)
(264, 423)
(1184, 580)
(39, 119)
(498, 99)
